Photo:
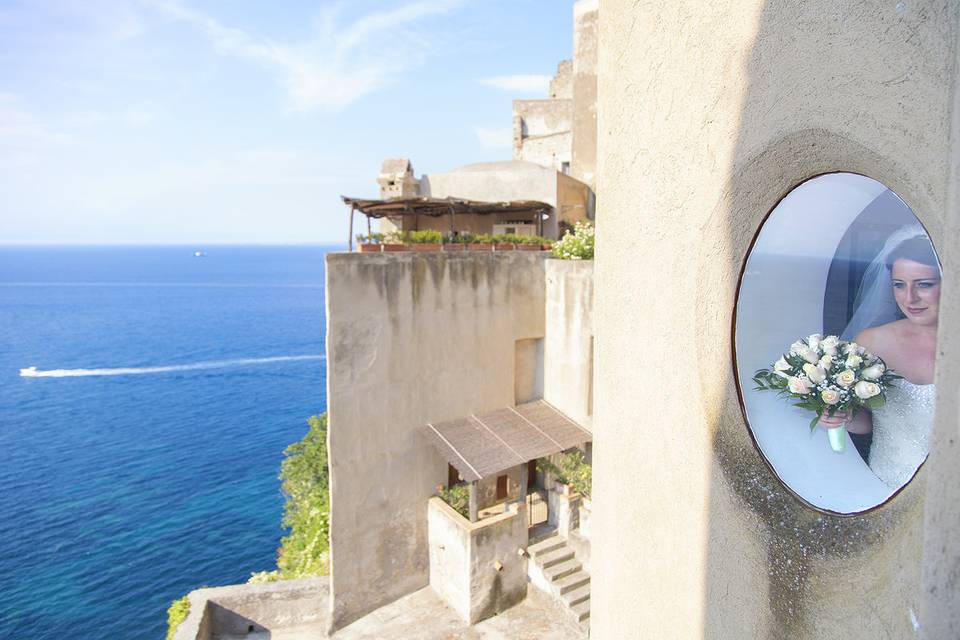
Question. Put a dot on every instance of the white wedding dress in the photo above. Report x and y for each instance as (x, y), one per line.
(901, 432)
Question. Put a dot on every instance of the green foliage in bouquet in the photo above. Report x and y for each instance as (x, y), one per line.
(572, 469)
(458, 497)
(577, 245)
(827, 376)
(305, 483)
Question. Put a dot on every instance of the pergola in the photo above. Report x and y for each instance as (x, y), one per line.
(483, 446)
(438, 207)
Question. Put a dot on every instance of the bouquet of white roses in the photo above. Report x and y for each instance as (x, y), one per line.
(828, 376)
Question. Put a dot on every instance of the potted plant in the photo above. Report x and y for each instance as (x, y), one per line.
(370, 243)
(454, 241)
(482, 242)
(529, 243)
(394, 241)
(425, 240)
(503, 242)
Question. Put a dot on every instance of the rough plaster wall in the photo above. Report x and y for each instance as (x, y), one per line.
(939, 610)
(498, 540)
(449, 558)
(709, 113)
(487, 489)
(411, 338)
(585, 55)
(497, 182)
(576, 200)
(561, 86)
(567, 343)
(542, 131)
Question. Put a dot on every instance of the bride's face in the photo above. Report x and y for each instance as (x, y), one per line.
(916, 287)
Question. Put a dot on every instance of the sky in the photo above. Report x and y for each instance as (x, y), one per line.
(221, 121)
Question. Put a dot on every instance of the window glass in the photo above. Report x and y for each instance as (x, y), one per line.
(836, 341)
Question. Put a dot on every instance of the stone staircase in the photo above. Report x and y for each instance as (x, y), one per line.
(554, 568)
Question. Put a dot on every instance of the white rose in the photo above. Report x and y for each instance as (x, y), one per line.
(826, 362)
(830, 342)
(810, 355)
(865, 389)
(816, 374)
(830, 396)
(854, 361)
(780, 366)
(796, 347)
(851, 347)
(814, 341)
(799, 386)
(830, 351)
(845, 378)
(874, 372)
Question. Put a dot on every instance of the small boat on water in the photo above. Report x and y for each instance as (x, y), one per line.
(199, 254)
(28, 372)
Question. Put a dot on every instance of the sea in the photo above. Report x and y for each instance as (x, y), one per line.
(140, 446)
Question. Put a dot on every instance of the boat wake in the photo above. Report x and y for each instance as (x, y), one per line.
(33, 372)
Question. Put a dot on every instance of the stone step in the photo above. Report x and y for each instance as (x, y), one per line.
(576, 596)
(555, 556)
(546, 545)
(581, 611)
(572, 581)
(562, 570)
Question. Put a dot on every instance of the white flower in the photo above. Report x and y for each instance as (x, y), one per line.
(830, 342)
(780, 366)
(809, 355)
(853, 361)
(852, 347)
(830, 396)
(799, 386)
(873, 372)
(826, 362)
(845, 378)
(814, 341)
(815, 374)
(865, 389)
(796, 347)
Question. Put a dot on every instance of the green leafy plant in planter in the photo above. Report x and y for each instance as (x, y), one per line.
(373, 238)
(425, 236)
(572, 469)
(458, 497)
(577, 245)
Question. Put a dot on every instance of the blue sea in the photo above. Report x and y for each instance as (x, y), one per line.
(140, 459)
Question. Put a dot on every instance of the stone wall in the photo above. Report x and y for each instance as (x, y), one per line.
(585, 54)
(411, 338)
(542, 131)
(476, 567)
(709, 113)
(568, 344)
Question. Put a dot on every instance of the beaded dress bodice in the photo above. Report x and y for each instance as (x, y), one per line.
(901, 432)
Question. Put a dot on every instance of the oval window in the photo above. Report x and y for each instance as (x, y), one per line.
(835, 342)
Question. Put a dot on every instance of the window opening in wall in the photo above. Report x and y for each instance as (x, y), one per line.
(501, 487)
(835, 342)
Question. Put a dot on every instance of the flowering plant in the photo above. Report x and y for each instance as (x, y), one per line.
(828, 376)
(577, 245)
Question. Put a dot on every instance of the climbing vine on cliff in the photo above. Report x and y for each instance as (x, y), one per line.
(304, 474)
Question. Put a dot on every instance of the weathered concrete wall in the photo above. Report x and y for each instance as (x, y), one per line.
(562, 84)
(463, 556)
(272, 607)
(709, 113)
(543, 131)
(585, 55)
(487, 489)
(411, 338)
(568, 343)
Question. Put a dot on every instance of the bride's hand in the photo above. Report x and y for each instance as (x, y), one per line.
(838, 419)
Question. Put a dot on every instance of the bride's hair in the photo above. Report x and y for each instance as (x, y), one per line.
(917, 249)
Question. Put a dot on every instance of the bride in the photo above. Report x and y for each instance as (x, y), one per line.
(902, 282)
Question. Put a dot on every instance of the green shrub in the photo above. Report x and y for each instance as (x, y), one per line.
(373, 238)
(426, 236)
(483, 238)
(305, 483)
(176, 614)
(577, 245)
(572, 470)
(458, 497)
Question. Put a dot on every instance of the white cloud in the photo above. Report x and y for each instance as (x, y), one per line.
(525, 84)
(340, 65)
(494, 137)
(19, 127)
